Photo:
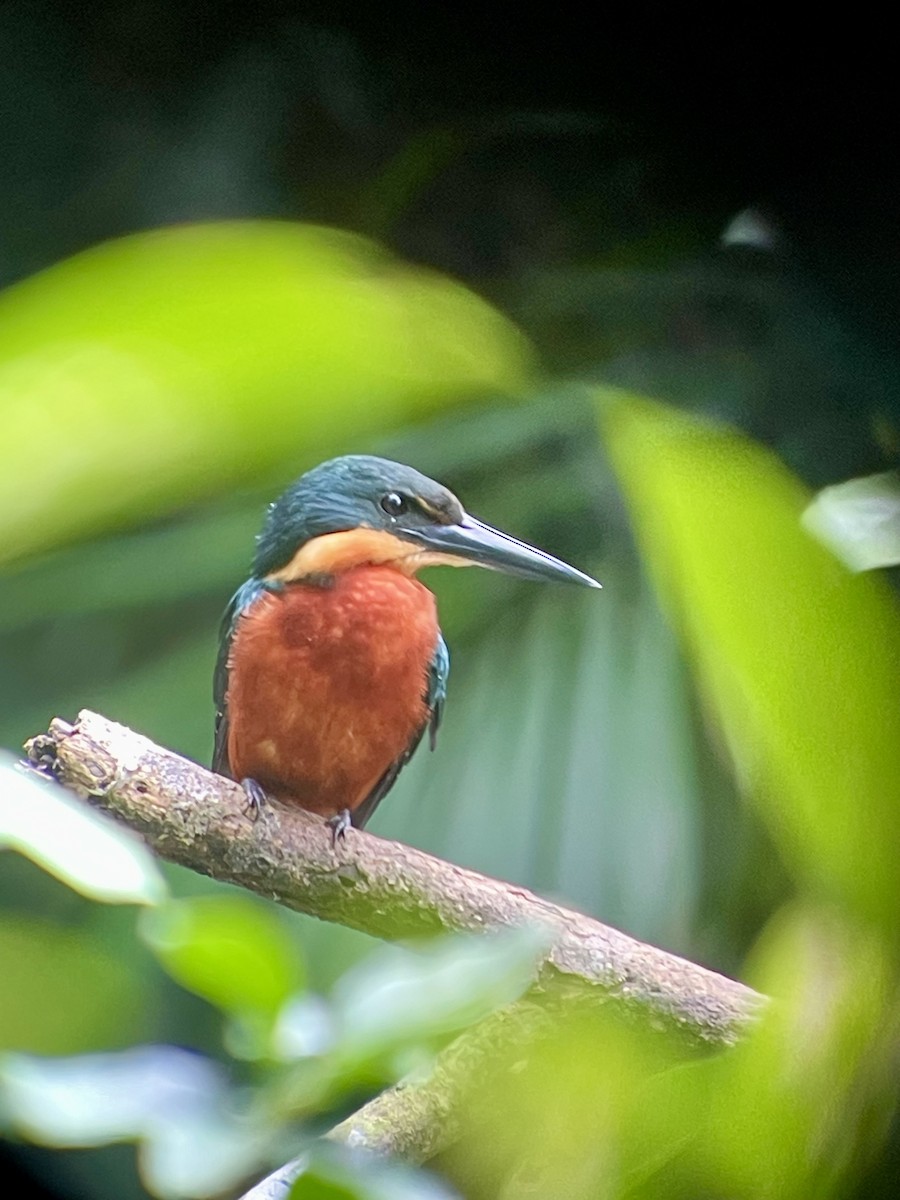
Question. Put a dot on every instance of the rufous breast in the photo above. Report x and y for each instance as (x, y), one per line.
(327, 685)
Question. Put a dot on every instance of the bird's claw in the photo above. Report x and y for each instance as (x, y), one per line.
(339, 824)
(257, 798)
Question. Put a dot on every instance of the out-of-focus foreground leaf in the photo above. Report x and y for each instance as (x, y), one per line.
(86, 850)
(798, 658)
(194, 1140)
(398, 995)
(333, 1173)
(66, 984)
(860, 520)
(622, 1113)
(198, 1134)
(234, 952)
(389, 1013)
(155, 369)
(66, 989)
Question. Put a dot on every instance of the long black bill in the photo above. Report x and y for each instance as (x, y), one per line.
(478, 543)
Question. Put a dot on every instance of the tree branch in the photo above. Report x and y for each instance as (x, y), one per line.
(193, 817)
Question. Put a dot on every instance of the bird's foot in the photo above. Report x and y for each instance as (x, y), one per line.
(339, 824)
(257, 798)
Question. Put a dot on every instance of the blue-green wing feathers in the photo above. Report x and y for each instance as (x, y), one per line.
(437, 688)
(242, 599)
(435, 695)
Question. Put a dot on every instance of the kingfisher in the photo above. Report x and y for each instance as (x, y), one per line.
(331, 662)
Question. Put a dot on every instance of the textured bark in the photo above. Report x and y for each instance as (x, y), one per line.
(193, 817)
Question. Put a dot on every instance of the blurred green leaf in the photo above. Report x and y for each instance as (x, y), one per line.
(89, 852)
(334, 1173)
(624, 1112)
(859, 520)
(399, 183)
(65, 990)
(305, 1028)
(231, 950)
(313, 1185)
(798, 657)
(177, 1105)
(812, 1091)
(387, 1013)
(159, 368)
(399, 995)
(578, 1114)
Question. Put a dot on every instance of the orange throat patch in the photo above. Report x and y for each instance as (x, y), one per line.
(334, 553)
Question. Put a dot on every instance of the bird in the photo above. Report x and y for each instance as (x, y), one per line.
(331, 664)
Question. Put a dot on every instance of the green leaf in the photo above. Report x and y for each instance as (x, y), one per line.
(814, 1074)
(331, 1172)
(194, 1142)
(89, 852)
(797, 656)
(169, 365)
(66, 990)
(399, 996)
(860, 520)
(231, 950)
(389, 1011)
(312, 1185)
(613, 1109)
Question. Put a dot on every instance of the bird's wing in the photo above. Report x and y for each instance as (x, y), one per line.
(437, 688)
(435, 695)
(237, 606)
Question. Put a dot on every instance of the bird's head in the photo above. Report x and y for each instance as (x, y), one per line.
(361, 509)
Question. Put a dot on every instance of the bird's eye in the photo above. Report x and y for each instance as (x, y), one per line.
(394, 504)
